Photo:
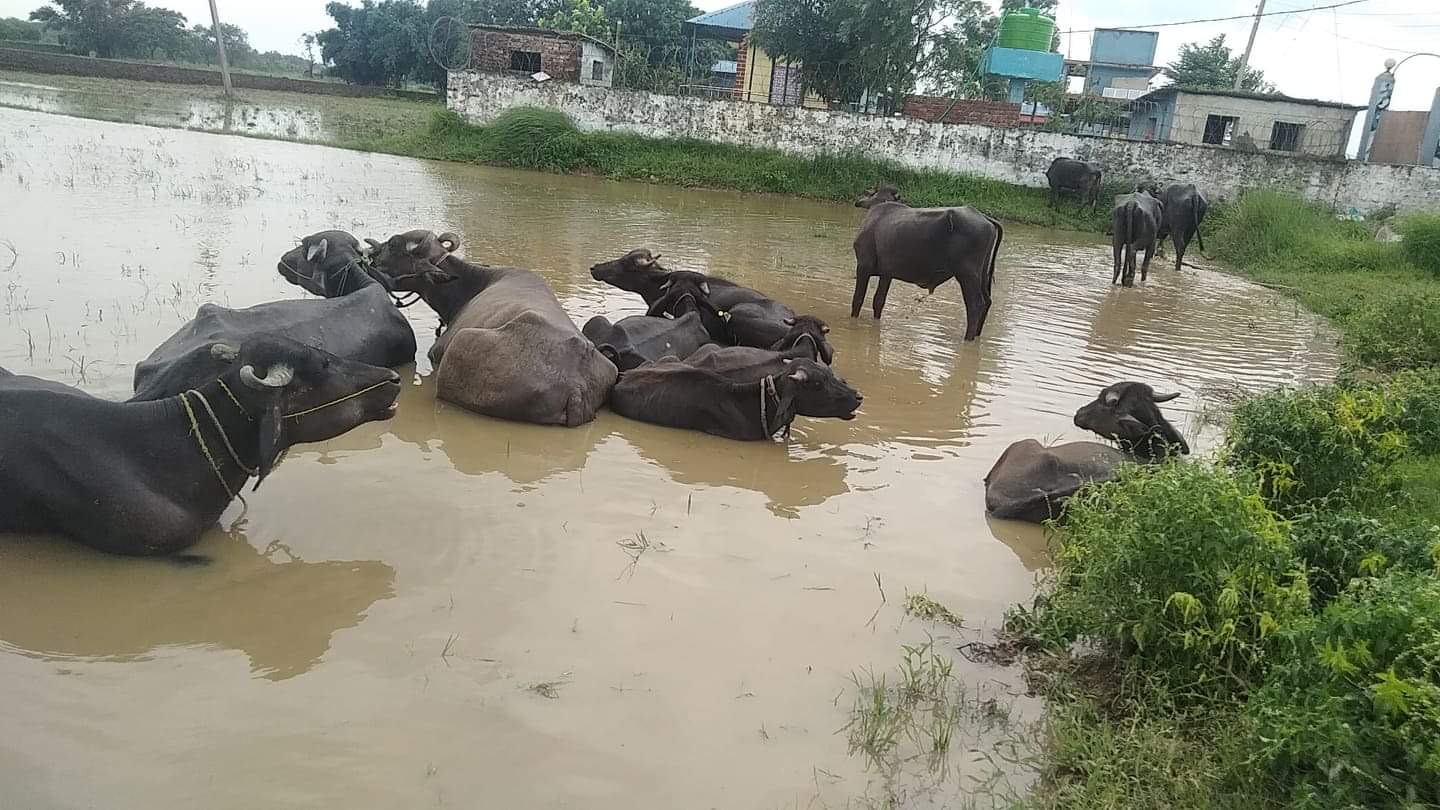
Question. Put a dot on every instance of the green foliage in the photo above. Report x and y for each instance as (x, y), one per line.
(1422, 240)
(18, 30)
(1354, 719)
(580, 16)
(1339, 547)
(1395, 332)
(376, 43)
(1265, 226)
(1213, 67)
(536, 138)
(1337, 443)
(1183, 570)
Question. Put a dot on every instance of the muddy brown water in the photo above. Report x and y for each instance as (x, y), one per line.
(370, 629)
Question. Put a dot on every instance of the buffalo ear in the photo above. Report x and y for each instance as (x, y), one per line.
(1164, 397)
(705, 287)
(271, 445)
(224, 352)
(824, 330)
(318, 250)
(439, 277)
(799, 375)
(789, 322)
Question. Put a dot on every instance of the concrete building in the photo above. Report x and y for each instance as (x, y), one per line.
(1121, 63)
(1248, 121)
(759, 77)
(563, 55)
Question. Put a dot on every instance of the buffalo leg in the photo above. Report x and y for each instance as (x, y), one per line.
(1128, 278)
(1117, 249)
(1145, 265)
(862, 286)
(976, 307)
(882, 289)
(1179, 241)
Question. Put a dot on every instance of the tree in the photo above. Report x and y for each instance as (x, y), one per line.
(18, 30)
(378, 43)
(579, 16)
(85, 26)
(952, 64)
(147, 32)
(1212, 67)
(848, 47)
(237, 44)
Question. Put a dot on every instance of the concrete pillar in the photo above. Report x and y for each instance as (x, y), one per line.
(1430, 143)
(1380, 94)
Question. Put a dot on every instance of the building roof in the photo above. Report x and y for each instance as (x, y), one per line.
(731, 22)
(543, 32)
(1172, 89)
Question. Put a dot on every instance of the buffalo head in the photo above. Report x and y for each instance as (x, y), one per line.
(682, 291)
(817, 390)
(327, 263)
(407, 261)
(808, 329)
(882, 194)
(299, 393)
(638, 271)
(1127, 413)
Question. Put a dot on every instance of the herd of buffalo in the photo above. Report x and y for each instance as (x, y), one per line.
(222, 399)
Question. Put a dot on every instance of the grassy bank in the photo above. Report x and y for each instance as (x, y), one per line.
(1266, 626)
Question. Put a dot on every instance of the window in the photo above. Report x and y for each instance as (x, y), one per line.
(785, 85)
(597, 71)
(1286, 137)
(525, 61)
(1220, 129)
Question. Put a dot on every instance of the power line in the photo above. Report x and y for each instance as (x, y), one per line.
(1228, 19)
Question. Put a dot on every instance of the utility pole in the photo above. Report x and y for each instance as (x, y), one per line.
(220, 47)
(1249, 45)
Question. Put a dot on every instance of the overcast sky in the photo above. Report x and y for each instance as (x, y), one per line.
(1319, 54)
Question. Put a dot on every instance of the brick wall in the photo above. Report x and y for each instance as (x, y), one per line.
(742, 63)
(964, 111)
(67, 65)
(558, 57)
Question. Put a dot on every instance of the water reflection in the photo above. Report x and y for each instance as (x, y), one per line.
(61, 601)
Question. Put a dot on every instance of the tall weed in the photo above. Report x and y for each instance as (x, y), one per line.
(1182, 569)
(1422, 240)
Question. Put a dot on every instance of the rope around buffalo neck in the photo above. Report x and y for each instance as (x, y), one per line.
(767, 385)
(361, 392)
(231, 394)
(205, 449)
(356, 263)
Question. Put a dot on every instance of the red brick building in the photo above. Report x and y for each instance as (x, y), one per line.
(563, 55)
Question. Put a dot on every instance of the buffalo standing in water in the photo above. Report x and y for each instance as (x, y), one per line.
(1032, 482)
(926, 247)
(1135, 225)
(1185, 209)
(1071, 176)
(507, 348)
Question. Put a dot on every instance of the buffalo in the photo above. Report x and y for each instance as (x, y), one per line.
(926, 247)
(677, 394)
(1032, 482)
(358, 321)
(1185, 208)
(507, 348)
(638, 339)
(1135, 223)
(751, 317)
(146, 478)
(1071, 176)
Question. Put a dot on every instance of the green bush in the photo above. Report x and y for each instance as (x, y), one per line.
(1341, 546)
(1416, 399)
(1422, 240)
(1334, 442)
(1353, 721)
(1277, 229)
(1395, 332)
(1181, 568)
(536, 138)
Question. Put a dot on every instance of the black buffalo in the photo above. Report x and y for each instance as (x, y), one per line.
(677, 394)
(638, 339)
(1032, 482)
(358, 321)
(1135, 223)
(1185, 209)
(752, 318)
(507, 349)
(149, 477)
(926, 247)
(1071, 176)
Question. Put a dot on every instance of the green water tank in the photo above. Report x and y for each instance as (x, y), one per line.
(1026, 30)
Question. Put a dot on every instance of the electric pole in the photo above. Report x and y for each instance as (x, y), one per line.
(1249, 45)
(220, 48)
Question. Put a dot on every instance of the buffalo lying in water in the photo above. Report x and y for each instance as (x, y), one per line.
(751, 317)
(926, 247)
(1031, 482)
(678, 394)
(149, 477)
(507, 348)
(358, 321)
(630, 342)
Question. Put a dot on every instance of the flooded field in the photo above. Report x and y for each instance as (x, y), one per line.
(449, 610)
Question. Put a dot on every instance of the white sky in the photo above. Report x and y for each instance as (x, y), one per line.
(1320, 54)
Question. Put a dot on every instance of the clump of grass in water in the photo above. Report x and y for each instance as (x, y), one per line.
(921, 606)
